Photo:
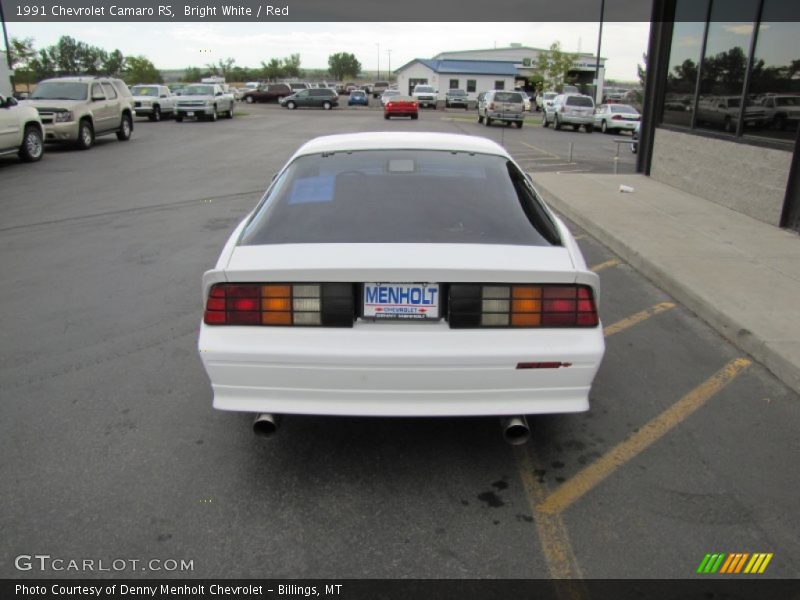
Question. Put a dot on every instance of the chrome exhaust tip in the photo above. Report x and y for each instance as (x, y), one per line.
(515, 430)
(266, 425)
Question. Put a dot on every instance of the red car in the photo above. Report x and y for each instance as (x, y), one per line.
(401, 106)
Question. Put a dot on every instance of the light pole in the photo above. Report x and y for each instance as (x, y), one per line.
(597, 90)
(389, 75)
(379, 59)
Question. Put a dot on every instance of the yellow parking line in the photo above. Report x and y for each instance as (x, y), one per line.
(637, 318)
(589, 477)
(539, 149)
(606, 265)
(561, 562)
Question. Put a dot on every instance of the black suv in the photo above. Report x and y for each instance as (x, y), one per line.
(317, 98)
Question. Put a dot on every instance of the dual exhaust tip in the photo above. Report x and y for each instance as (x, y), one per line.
(516, 430)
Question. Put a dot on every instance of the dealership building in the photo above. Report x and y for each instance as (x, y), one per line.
(722, 104)
(477, 71)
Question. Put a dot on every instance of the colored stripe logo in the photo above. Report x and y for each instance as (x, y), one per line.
(734, 563)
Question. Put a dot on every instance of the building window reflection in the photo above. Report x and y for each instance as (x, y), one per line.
(684, 61)
(775, 75)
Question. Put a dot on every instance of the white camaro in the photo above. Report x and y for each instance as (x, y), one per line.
(401, 274)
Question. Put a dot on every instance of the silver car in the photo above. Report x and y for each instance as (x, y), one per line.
(498, 105)
(570, 109)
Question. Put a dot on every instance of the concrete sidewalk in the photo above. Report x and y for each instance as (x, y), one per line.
(740, 275)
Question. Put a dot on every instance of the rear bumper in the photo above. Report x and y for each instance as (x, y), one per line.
(501, 116)
(576, 119)
(399, 369)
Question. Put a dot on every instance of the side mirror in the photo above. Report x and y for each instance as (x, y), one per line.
(218, 94)
(163, 95)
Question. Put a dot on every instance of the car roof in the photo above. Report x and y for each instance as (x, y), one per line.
(395, 140)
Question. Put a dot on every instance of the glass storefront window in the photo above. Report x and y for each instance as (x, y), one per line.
(775, 76)
(724, 66)
(684, 59)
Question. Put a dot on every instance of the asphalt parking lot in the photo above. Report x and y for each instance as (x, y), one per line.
(111, 448)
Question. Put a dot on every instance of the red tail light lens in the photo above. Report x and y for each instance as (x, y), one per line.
(616, 118)
(521, 306)
(330, 304)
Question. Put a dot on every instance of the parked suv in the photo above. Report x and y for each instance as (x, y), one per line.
(317, 98)
(204, 101)
(153, 101)
(21, 130)
(378, 88)
(78, 109)
(570, 109)
(456, 98)
(274, 92)
(498, 105)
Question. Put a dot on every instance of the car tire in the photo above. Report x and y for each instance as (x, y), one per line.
(249, 99)
(213, 116)
(415, 117)
(545, 123)
(488, 121)
(155, 116)
(178, 118)
(291, 105)
(327, 105)
(557, 123)
(576, 127)
(729, 126)
(125, 128)
(589, 128)
(385, 116)
(519, 124)
(480, 119)
(604, 126)
(32, 147)
(85, 135)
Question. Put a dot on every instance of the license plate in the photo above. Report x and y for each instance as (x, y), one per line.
(401, 300)
(190, 114)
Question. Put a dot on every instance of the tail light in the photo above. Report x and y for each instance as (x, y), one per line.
(475, 305)
(616, 118)
(389, 105)
(320, 304)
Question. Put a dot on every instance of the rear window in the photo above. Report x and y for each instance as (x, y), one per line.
(508, 97)
(401, 196)
(424, 89)
(623, 108)
(579, 101)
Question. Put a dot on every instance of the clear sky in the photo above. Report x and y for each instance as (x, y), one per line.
(175, 46)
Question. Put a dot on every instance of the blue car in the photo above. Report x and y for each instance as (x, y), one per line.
(358, 97)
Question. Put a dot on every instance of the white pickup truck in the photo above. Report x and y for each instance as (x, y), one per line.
(153, 101)
(21, 130)
(425, 95)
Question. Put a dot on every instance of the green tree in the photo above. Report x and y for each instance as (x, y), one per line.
(67, 56)
(553, 66)
(291, 66)
(114, 64)
(343, 64)
(192, 74)
(21, 52)
(272, 70)
(139, 69)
